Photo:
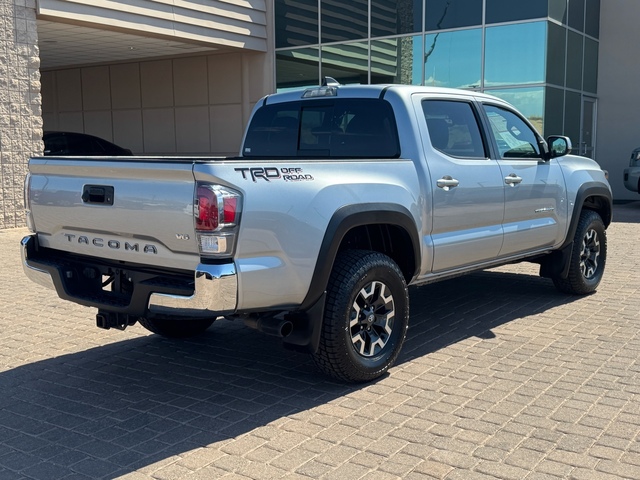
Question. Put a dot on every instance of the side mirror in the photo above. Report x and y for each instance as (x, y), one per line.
(559, 146)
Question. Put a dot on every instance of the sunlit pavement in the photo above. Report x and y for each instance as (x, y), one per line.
(501, 377)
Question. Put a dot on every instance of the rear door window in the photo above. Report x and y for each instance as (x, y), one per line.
(453, 128)
(350, 128)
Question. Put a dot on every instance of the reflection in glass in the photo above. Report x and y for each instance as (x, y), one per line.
(397, 60)
(296, 22)
(453, 59)
(347, 63)
(559, 147)
(529, 101)
(507, 10)
(443, 14)
(394, 17)
(515, 54)
(558, 10)
(574, 60)
(342, 21)
(590, 65)
(297, 68)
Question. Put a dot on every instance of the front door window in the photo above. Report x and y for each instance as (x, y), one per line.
(513, 136)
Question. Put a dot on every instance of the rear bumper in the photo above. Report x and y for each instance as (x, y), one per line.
(34, 273)
(211, 291)
(215, 293)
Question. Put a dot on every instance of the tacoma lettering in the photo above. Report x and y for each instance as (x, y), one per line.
(112, 244)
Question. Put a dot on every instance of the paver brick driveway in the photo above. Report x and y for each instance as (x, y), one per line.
(501, 377)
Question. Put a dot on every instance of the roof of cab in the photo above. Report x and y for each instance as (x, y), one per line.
(372, 91)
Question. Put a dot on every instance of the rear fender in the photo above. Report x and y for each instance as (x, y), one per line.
(346, 219)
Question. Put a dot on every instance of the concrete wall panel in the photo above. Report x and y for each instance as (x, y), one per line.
(99, 124)
(69, 90)
(156, 79)
(192, 130)
(127, 129)
(69, 121)
(226, 128)
(96, 91)
(190, 79)
(125, 86)
(225, 76)
(159, 130)
(183, 105)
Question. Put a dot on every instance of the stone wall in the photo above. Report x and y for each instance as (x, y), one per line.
(20, 105)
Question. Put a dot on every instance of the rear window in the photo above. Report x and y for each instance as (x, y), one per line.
(338, 128)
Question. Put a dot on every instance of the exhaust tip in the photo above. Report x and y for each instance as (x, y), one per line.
(286, 328)
(270, 325)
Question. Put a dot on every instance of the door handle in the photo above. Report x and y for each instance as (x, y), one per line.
(512, 179)
(447, 183)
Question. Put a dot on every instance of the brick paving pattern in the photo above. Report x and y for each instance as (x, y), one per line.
(501, 377)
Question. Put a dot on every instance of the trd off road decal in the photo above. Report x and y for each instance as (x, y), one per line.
(288, 174)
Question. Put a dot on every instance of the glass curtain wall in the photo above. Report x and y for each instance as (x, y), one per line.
(540, 55)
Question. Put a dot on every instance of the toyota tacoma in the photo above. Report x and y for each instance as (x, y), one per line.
(340, 197)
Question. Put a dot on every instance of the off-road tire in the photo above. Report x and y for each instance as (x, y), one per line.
(172, 328)
(588, 257)
(360, 340)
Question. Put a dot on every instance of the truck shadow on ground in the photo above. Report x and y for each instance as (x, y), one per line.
(448, 312)
(114, 409)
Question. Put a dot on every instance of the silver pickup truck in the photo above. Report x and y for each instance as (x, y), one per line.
(341, 197)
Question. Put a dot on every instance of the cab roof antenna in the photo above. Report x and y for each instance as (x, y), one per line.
(330, 82)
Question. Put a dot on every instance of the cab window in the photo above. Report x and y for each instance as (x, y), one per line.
(336, 128)
(453, 128)
(514, 138)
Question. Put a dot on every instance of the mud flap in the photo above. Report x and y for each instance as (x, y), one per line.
(307, 326)
(556, 264)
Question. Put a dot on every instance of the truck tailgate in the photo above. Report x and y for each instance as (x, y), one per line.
(138, 211)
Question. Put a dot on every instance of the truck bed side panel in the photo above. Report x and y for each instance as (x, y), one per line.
(284, 218)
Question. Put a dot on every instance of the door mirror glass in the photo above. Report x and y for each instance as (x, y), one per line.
(559, 146)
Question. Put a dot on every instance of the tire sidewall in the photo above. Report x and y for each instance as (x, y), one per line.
(591, 221)
(373, 366)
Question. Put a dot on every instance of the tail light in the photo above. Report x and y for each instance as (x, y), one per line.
(27, 204)
(216, 215)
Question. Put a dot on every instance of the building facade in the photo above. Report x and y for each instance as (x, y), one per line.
(163, 78)
(541, 55)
